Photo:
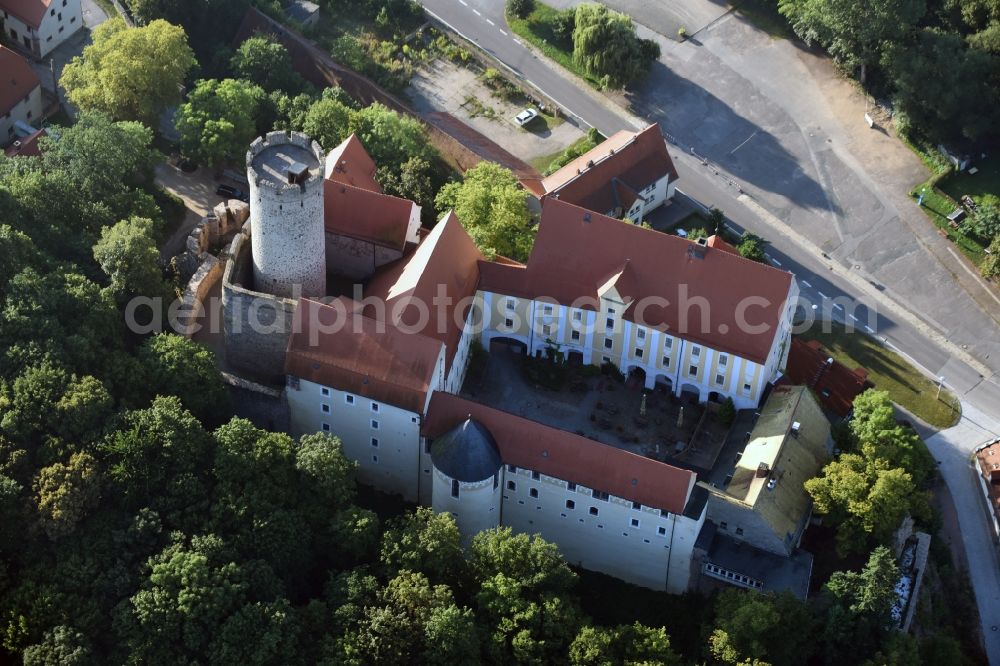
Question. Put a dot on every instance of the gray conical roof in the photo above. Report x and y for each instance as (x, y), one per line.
(467, 452)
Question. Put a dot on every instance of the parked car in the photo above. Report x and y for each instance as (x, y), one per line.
(231, 192)
(525, 117)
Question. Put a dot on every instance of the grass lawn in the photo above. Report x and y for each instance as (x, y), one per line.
(937, 206)
(890, 372)
(985, 181)
(537, 29)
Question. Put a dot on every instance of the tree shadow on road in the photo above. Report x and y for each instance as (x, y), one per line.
(752, 155)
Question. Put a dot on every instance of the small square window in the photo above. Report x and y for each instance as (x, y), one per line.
(546, 330)
(640, 334)
(723, 525)
(668, 343)
(608, 343)
(326, 427)
(662, 531)
(638, 352)
(577, 316)
(575, 336)
(536, 476)
(509, 323)
(510, 303)
(739, 531)
(747, 388)
(570, 504)
(609, 322)
(325, 408)
(635, 522)
(533, 492)
(512, 468)
(720, 379)
(454, 487)
(374, 406)
(695, 351)
(693, 370)
(594, 511)
(570, 486)
(723, 360)
(666, 361)
(637, 506)
(324, 391)
(374, 424)
(511, 485)
(61, 28)
(547, 309)
(413, 419)
(73, 20)
(611, 311)
(375, 442)
(349, 399)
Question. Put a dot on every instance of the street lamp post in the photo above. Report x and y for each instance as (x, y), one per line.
(940, 382)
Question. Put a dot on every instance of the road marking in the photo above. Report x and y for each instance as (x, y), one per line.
(807, 284)
(822, 295)
(869, 329)
(464, 3)
(518, 42)
(838, 307)
(853, 318)
(772, 260)
(490, 22)
(503, 32)
(476, 12)
(744, 142)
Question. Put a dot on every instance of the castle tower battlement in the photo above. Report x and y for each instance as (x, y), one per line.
(285, 171)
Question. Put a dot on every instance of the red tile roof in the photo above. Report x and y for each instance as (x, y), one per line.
(361, 356)
(350, 164)
(835, 384)
(372, 216)
(717, 242)
(612, 174)
(442, 269)
(30, 12)
(566, 456)
(576, 252)
(17, 79)
(27, 147)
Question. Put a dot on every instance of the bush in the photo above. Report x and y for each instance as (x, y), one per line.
(727, 412)
(563, 26)
(520, 8)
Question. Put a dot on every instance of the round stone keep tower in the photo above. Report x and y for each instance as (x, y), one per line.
(285, 171)
(467, 477)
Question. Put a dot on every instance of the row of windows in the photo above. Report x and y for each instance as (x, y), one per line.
(733, 576)
(724, 526)
(571, 504)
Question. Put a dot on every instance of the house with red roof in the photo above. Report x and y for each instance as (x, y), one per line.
(627, 175)
(20, 95)
(692, 317)
(38, 26)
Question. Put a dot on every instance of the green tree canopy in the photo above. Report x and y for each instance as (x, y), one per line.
(390, 138)
(128, 255)
(66, 493)
(754, 627)
(424, 542)
(265, 62)
(328, 121)
(493, 209)
(219, 119)
(605, 45)
(174, 365)
(130, 73)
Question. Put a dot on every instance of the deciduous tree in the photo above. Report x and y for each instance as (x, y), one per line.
(493, 209)
(606, 46)
(128, 255)
(265, 62)
(130, 73)
(219, 119)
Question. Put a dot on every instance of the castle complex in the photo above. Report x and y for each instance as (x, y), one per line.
(334, 290)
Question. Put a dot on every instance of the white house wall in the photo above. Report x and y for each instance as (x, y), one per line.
(388, 455)
(62, 19)
(655, 553)
(28, 110)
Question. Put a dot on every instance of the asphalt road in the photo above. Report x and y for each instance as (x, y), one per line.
(834, 291)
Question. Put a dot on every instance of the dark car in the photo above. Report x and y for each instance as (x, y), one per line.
(231, 192)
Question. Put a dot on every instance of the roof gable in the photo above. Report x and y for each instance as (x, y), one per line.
(350, 164)
(667, 280)
(17, 79)
(30, 12)
(367, 215)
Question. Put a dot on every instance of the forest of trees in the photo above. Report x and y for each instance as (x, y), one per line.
(937, 60)
(141, 523)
